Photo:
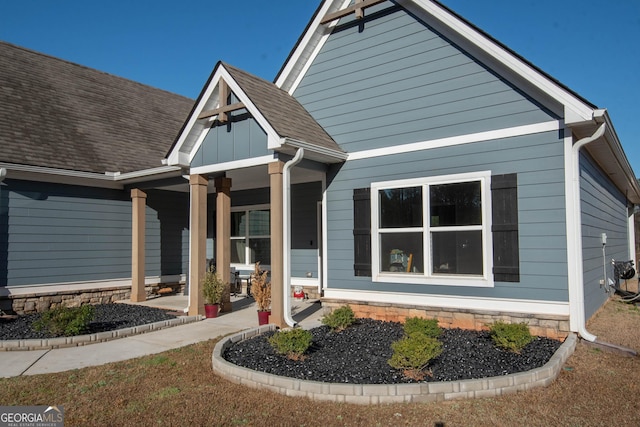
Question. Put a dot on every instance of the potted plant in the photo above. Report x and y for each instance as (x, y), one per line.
(261, 291)
(212, 288)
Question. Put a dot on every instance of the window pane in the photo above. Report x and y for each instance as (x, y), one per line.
(456, 204)
(259, 223)
(260, 250)
(457, 252)
(238, 251)
(401, 207)
(238, 223)
(401, 252)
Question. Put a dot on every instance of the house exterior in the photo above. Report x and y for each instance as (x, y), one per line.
(402, 162)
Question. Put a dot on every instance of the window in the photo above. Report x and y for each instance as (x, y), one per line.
(250, 236)
(432, 230)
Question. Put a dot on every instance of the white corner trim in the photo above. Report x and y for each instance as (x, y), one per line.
(457, 140)
(557, 308)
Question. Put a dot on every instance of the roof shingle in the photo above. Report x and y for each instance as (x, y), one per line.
(57, 114)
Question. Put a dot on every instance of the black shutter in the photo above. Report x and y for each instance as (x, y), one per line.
(504, 206)
(362, 231)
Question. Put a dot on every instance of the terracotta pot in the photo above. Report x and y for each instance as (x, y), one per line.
(263, 317)
(211, 310)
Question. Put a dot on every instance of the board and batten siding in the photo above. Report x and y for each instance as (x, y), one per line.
(240, 138)
(603, 210)
(394, 80)
(539, 162)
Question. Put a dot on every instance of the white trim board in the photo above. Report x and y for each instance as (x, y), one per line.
(457, 140)
(555, 308)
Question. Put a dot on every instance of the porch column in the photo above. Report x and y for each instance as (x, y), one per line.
(277, 244)
(223, 236)
(139, 203)
(197, 242)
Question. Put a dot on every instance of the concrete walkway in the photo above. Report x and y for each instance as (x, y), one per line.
(243, 316)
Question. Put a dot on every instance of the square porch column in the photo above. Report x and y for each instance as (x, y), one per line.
(223, 237)
(138, 224)
(197, 242)
(277, 245)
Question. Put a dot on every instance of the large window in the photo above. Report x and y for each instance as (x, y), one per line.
(250, 236)
(432, 230)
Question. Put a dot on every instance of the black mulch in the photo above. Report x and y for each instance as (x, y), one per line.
(108, 317)
(359, 354)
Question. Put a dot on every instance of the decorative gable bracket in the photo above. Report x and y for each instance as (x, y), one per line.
(358, 8)
(223, 108)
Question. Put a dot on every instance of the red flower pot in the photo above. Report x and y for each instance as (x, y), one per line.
(211, 310)
(263, 317)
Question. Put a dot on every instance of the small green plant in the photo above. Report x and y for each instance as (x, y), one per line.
(413, 353)
(65, 321)
(291, 343)
(419, 325)
(339, 319)
(212, 287)
(511, 336)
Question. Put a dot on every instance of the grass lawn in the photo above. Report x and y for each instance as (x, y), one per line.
(179, 388)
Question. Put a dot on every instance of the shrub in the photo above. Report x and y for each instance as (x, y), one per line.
(412, 354)
(340, 318)
(426, 327)
(212, 287)
(261, 288)
(291, 343)
(65, 321)
(511, 336)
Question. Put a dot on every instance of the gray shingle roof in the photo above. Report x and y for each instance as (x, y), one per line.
(57, 114)
(283, 112)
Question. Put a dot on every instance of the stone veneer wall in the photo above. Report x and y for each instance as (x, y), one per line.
(556, 327)
(42, 301)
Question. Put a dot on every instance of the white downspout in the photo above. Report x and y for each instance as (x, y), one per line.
(286, 230)
(576, 287)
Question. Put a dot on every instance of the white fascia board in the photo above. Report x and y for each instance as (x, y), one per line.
(322, 151)
(309, 47)
(553, 125)
(272, 135)
(555, 308)
(236, 164)
(579, 111)
(177, 156)
(64, 176)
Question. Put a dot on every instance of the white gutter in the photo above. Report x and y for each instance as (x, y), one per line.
(3, 174)
(576, 286)
(286, 231)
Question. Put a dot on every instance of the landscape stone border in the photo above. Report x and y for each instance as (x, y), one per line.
(388, 393)
(78, 340)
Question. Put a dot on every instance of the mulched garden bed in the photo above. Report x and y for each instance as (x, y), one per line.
(108, 317)
(359, 355)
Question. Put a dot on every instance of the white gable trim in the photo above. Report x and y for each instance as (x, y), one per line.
(492, 54)
(450, 25)
(198, 128)
(310, 45)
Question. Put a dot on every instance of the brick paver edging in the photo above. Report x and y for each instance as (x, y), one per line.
(388, 393)
(78, 340)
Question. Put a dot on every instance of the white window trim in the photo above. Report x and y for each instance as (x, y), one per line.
(247, 254)
(486, 280)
